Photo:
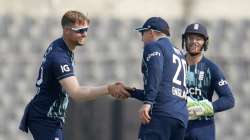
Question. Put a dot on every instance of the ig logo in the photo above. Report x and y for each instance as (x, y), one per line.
(65, 68)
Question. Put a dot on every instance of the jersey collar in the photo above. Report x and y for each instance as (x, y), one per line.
(65, 47)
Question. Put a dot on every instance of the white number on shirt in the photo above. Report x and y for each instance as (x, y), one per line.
(181, 64)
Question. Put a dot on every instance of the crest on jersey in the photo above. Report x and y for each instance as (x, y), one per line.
(201, 75)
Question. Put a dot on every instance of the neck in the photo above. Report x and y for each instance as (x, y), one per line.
(159, 36)
(193, 59)
(69, 44)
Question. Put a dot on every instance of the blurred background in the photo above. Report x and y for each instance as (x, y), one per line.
(113, 52)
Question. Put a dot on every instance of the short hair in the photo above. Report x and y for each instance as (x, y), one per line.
(166, 31)
(72, 17)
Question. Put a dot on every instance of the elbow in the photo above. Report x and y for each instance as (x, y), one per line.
(232, 102)
(224, 104)
(73, 94)
(78, 98)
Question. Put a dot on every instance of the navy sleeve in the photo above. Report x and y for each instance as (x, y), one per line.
(153, 64)
(62, 66)
(137, 94)
(226, 99)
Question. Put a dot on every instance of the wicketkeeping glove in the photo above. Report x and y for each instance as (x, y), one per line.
(199, 108)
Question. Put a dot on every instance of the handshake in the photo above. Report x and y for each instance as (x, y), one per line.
(119, 90)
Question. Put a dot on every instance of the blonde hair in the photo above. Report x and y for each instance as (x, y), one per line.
(72, 17)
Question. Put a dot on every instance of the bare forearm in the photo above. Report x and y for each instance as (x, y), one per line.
(77, 92)
(84, 93)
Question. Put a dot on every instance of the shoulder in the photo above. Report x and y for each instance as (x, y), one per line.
(152, 47)
(210, 63)
(165, 42)
(58, 48)
(178, 51)
(214, 68)
(162, 43)
(55, 51)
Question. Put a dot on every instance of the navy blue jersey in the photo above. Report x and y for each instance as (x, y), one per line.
(163, 68)
(203, 79)
(50, 103)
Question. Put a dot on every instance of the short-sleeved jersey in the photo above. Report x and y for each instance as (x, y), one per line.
(203, 79)
(50, 102)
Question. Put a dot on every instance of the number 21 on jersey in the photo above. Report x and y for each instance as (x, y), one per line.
(181, 68)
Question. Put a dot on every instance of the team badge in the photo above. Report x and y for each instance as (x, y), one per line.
(201, 75)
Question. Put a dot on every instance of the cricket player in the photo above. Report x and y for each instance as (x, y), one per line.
(44, 116)
(203, 78)
(164, 113)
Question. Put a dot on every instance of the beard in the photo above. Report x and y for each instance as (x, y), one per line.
(81, 42)
(194, 53)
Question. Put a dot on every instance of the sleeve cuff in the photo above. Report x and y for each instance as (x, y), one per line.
(148, 102)
(65, 76)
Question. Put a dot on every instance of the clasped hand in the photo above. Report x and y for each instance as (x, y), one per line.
(119, 90)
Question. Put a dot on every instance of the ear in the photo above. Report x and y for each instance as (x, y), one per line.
(66, 30)
(183, 41)
(205, 46)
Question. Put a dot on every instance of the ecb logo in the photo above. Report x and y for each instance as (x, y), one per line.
(65, 68)
(201, 75)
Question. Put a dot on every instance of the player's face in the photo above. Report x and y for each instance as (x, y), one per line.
(78, 33)
(147, 36)
(195, 44)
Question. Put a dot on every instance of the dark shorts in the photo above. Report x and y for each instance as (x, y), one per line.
(41, 129)
(162, 128)
(40, 132)
(200, 130)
